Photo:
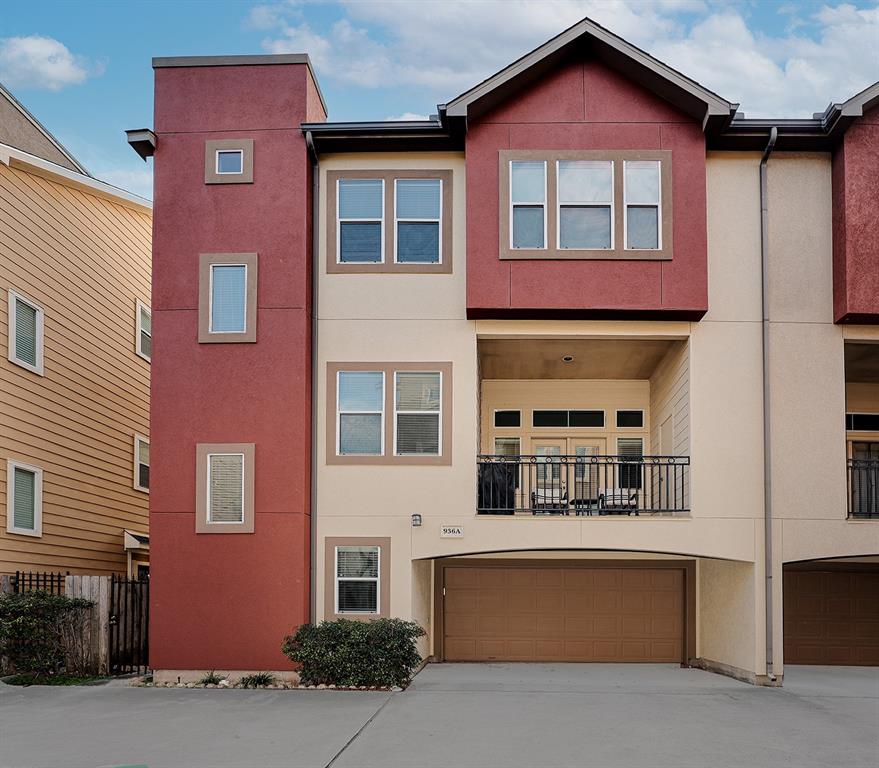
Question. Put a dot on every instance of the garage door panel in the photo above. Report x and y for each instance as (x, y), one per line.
(635, 602)
(606, 601)
(607, 578)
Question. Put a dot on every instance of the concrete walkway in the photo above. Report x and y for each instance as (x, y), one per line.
(469, 716)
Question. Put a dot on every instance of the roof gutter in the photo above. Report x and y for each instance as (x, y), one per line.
(767, 436)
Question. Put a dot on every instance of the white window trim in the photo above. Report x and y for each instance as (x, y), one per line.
(218, 152)
(495, 411)
(544, 204)
(11, 356)
(11, 466)
(636, 205)
(243, 491)
(138, 439)
(340, 412)
(211, 295)
(141, 308)
(602, 411)
(643, 419)
(591, 204)
(376, 579)
(439, 414)
(437, 221)
(339, 221)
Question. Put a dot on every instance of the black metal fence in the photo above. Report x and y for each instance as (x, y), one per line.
(129, 624)
(863, 488)
(583, 485)
(30, 581)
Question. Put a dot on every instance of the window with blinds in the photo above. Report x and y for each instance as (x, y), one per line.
(418, 220)
(358, 572)
(228, 310)
(360, 219)
(528, 203)
(25, 333)
(144, 331)
(24, 502)
(417, 413)
(642, 204)
(225, 488)
(630, 449)
(360, 413)
(141, 463)
(585, 195)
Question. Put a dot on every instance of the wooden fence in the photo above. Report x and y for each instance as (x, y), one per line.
(97, 628)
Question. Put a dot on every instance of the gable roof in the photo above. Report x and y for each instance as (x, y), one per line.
(682, 92)
(34, 136)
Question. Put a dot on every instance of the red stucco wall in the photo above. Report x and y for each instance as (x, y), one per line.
(856, 223)
(586, 105)
(225, 601)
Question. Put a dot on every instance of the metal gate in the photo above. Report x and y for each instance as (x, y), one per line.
(129, 625)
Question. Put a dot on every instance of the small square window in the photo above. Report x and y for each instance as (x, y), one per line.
(230, 161)
(24, 499)
(25, 341)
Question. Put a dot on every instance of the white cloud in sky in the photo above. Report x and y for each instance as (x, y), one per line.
(447, 47)
(42, 63)
(408, 116)
(140, 182)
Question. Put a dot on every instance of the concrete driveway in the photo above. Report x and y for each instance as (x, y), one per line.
(467, 715)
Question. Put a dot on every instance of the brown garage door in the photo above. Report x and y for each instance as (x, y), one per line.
(831, 617)
(563, 614)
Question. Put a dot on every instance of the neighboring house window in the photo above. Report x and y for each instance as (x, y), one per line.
(24, 499)
(141, 463)
(361, 397)
(528, 203)
(585, 204)
(225, 488)
(418, 220)
(227, 297)
(25, 342)
(389, 221)
(389, 413)
(357, 579)
(144, 331)
(417, 413)
(228, 161)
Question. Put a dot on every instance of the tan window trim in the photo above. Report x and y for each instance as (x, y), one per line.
(212, 176)
(333, 266)
(552, 251)
(388, 457)
(202, 452)
(205, 262)
(384, 598)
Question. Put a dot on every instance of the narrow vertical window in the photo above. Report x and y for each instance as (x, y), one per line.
(24, 499)
(358, 571)
(225, 491)
(630, 449)
(360, 413)
(144, 331)
(643, 203)
(418, 221)
(528, 202)
(25, 333)
(141, 463)
(417, 414)
(228, 310)
(360, 220)
(585, 194)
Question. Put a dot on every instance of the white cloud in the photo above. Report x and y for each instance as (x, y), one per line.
(386, 44)
(42, 63)
(409, 116)
(140, 182)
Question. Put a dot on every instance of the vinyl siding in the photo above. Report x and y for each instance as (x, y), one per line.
(86, 260)
(670, 397)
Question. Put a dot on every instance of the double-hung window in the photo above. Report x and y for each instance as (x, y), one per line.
(141, 463)
(227, 297)
(25, 323)
(24, 499)
(225, 501)
(417, 413)
(361, 207)
(528, 203)
(360, 413)
(585, 211)
(643, 205)
(418, 220)
(144, 340)
(357, 580)
(228, 310)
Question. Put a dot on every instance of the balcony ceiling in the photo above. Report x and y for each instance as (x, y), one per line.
(593, 358)
(862, 363)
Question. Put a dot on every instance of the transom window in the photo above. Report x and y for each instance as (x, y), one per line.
(567, 419)
(24, 499)
(360, 409)
(358, 573)
(225, 500)
(25, 342)
(361, 217)
(230, 161)
(418, 217)
(528, 204)
(228, 310)
(417, 405)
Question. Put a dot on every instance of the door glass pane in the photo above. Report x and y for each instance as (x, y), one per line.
(642, 227)
(585, 181)
(584, 227)
(642, 181)
(528, 181)
(228, 298)
(528, 226)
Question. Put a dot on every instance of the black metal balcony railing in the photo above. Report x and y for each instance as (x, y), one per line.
(583, 485)
(863, 488)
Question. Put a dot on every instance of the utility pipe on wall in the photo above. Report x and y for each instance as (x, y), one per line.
(312, 528)
(767, 441)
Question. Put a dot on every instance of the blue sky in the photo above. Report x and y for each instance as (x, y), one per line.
(83, 68)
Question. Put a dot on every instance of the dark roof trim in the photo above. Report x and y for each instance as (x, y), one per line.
(390, 135)
(142, 141)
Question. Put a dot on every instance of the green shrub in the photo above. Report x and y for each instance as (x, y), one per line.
(381, 652)
(257, 680)
(42, 633)
(211, 678)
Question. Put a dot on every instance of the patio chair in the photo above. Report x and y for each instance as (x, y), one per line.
(549, 501)
(618, 501)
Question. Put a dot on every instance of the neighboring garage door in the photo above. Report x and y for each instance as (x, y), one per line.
(831, 617)
(563, 613)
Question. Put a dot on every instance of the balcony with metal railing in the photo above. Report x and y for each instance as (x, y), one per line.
(863, 489)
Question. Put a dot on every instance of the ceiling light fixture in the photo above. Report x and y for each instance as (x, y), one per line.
(568, 359)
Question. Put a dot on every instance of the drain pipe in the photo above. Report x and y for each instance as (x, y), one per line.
(767, 441)
(315, 271)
